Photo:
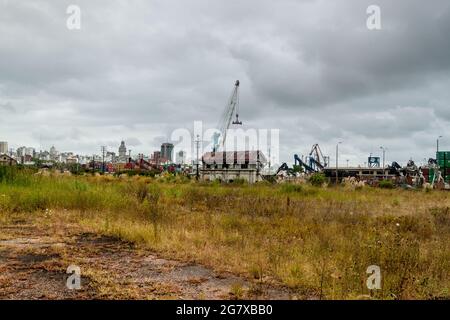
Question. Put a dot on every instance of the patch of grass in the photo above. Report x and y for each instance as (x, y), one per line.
(386, 184)
(291, 188)
(237, 291)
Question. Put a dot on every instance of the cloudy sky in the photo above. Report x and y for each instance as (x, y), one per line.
(137, 70)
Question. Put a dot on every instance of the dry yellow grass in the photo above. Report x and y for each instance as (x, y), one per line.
(319, 242)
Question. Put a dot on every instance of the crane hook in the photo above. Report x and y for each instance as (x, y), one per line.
(237, 120)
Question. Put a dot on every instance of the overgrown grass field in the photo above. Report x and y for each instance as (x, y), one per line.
(316, 241)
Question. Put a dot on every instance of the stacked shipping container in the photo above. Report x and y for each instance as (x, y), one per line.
(443, 160)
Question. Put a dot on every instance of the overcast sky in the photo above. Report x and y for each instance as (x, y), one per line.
(137, 70)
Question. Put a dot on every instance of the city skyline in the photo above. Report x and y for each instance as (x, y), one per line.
(120, 151)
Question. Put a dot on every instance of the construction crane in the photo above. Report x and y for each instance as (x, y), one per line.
(231, 108)
(317, 161)
(299, 162)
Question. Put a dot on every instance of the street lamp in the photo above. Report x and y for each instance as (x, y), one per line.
(197, 143)
(337, 161)
(437, 144)
(384, 155)
(103, 148)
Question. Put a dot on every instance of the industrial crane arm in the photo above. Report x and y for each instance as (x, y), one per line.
(225, 120)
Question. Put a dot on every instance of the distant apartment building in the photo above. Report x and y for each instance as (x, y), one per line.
(53, 153)
(110, 157)
(72, 159)
(21, 152)
(156, 158)
(30, 152)
(4, 147)
(45, 155)
(181, 157)
(167, 151)
(25, 155)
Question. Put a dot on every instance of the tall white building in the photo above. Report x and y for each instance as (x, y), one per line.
(29, 151)
(21, 151)
(53, 153)
(122, 152)
(181, 157)
(4, 147)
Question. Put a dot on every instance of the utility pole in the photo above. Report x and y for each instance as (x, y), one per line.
(384, 155)
(103, 158)
(197, 145)
(437, 144)
(337, 161)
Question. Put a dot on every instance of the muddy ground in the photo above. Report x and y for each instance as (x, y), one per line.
(34, 260)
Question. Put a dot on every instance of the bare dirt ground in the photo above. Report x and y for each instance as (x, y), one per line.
(34, 260)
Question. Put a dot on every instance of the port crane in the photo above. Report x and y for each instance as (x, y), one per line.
(314, 162)
(317, 160)
(231, 108)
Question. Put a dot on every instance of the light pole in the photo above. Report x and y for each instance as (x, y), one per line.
(437, 144)
(384, 155)
(347, 163)
(197, 142)
(337, 161)
(103, 148)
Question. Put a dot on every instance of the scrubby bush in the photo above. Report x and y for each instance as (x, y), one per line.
(441, 216)
(239, 181)
(317, 179)
(386, 184)
(291, 188)
(141, 191)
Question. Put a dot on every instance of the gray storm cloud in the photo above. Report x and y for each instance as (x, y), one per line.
(138, 70)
